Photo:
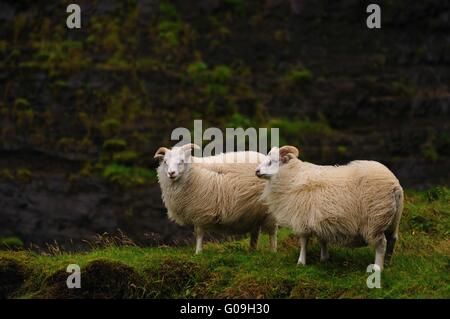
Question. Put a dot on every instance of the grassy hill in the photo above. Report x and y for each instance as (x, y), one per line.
(227, 270)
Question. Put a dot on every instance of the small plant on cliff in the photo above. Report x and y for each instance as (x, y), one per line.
(197, 71)
(115, 144)
(21, 103)
(170, 27)
(109, 127)
(125, 157)
(128, 176)
(11, 243)
(297, 78)
(6, 174)
(236, 5)
(293, 130)
(24, 174)
(212, 82)
(240, 120)
(403, 88)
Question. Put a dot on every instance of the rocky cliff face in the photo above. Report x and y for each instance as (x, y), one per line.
(82, 111)
(50, 209)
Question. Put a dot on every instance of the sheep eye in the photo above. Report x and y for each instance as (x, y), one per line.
(270, 163)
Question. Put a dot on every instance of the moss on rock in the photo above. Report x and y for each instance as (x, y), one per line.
(12, 276)
(174, 278)
(100, 279)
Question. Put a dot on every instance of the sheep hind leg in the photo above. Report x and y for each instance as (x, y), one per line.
(380, 251)
(303, 245)
(390, 245)
(198, 239)
(254, 238)
(392, 233)
(273, 239)
(324, 254)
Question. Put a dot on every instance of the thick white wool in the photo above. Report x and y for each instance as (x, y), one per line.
(351, 205)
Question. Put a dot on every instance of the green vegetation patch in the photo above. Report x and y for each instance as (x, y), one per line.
(115, 144)
(297, 78)
(128, 176)
(11, 243)
(298, 131)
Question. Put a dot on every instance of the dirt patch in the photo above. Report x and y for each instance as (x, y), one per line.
(12, 276)
(175, 278)
(100, 279)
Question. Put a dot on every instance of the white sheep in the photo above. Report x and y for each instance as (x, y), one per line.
(215, 193)
(353, 205)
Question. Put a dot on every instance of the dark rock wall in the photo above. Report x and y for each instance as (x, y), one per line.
(52, 209)
(382, 95)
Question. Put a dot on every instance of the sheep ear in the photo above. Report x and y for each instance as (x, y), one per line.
(160, 153)
(288, 152)
(189, 147)
(286, 158)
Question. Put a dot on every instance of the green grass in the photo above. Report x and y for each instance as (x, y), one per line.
(420, 267)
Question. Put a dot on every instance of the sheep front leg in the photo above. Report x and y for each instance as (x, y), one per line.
(199, 239)
(324, 255)
(303, 245)
(380, 250)
(254, 238)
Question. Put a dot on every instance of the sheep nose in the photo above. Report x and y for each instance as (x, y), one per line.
(171, 173)
(258, 172)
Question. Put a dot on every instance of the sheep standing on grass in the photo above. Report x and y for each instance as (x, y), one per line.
(354, 205)
(215, 193)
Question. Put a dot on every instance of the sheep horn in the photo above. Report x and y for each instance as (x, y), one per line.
(285, 150)
(190, 146)
(161, 152)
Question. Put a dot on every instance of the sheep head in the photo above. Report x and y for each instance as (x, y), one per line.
(175, 161)
(276, 158)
